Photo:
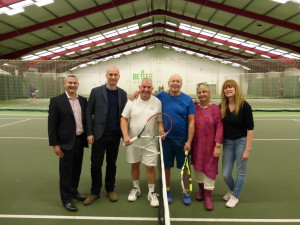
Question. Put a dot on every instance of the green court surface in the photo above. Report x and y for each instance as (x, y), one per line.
(29, 180)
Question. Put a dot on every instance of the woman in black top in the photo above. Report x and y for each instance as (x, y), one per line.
(238, 134)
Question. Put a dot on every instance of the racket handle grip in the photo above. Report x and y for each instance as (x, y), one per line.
(132, 140)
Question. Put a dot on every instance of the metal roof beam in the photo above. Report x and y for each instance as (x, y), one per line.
(246, 13)
(8, 2)
(63, 19)
(17, 54)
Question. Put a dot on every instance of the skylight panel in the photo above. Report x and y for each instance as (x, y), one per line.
(217, 43)
(123, 30)
(131, 35)
(146, 24)
(172, 31)
(195, 30)
(170, 23)
(234, 47)
(187, 35)
(115, 40)
(146, 31)
(85, 49)
(15, 11)
(45, 54)
(110, 34)
(133, 27)
(222, 37)
(184, 26)
(21, 4)
(202, 39)
(207, 33)
(43, 2)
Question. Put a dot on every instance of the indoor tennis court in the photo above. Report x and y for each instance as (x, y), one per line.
(254, 42)
(29, 186)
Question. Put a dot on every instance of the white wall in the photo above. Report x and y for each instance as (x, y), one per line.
(161, 63)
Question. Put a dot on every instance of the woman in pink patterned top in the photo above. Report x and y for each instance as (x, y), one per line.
(206, 145)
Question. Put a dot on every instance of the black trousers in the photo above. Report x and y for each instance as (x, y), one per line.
(70, 170)
(108, 144)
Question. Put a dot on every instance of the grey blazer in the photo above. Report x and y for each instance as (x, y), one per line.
(97, 108)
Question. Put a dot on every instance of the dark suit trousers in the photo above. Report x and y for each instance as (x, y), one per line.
(70, 170)
(108, 144)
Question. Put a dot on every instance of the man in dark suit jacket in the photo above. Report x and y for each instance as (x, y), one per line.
(104, 109)
(67, 136)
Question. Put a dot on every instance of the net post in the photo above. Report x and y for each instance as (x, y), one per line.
(164, 219)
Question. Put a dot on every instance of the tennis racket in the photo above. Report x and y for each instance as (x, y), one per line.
(148, 130)
(186, 173)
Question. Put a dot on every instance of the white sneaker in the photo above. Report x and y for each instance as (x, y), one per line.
(227, 196)
(134, 193)
(232, 202)
(153, 199)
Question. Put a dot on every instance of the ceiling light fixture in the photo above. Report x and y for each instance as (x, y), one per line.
(43, 2)
(15, 11)
(172, 24)
(146, 24)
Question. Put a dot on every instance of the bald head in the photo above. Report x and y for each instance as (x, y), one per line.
(175, 84)
(112, 69)
(112, 77)
(175, 77)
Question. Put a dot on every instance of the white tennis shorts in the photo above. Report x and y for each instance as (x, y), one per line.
(145, 152)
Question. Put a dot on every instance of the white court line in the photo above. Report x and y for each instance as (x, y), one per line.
(236, 220)
(44, 138)
(276, 101)
(148, 219)
(31, 138)
(20, 115)
(296, 120)
(14, 123)
(15, 118)
(276, 115)
(5, 107)
(262, 139)
(78, 217)
(275, 119)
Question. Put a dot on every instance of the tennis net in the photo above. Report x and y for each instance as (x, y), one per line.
(164, 213)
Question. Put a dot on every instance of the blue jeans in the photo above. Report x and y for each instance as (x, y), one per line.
(233, 151)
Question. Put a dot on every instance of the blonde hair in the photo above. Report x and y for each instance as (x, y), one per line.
(238, 97)
(204, 87)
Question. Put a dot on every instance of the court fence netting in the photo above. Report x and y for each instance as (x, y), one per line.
(268, 84)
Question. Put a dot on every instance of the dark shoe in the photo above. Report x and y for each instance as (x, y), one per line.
(90, 199)
(79, 197)
(70, 207)
(112, 196)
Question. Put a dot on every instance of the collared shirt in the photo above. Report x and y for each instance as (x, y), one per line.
(76, 108)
